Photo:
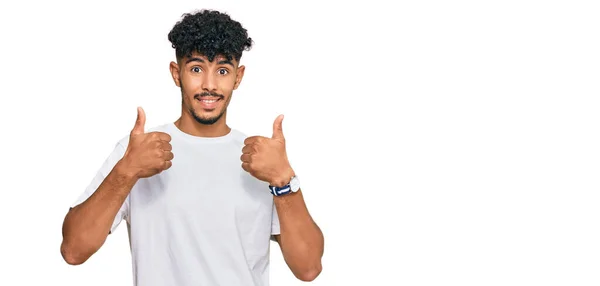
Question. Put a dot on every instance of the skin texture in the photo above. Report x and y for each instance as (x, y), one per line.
(198, 78)
(207, 67)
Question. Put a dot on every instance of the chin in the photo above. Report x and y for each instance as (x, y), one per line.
(207, 118)
(207, 113)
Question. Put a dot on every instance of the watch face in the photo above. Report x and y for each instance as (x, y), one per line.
(295, 184)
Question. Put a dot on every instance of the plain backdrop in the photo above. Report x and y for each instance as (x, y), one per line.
(438, 142)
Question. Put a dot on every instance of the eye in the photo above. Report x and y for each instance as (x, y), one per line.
(223, 71)
(196, 69)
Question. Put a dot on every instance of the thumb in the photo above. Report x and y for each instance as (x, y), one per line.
(277, 128)
(138, 128)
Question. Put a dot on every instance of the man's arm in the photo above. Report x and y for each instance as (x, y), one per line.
(87, 225)
(300, 239)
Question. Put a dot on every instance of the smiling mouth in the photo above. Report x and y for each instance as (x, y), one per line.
(208, 103)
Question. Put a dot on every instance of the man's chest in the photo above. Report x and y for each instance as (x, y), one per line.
(202, 184)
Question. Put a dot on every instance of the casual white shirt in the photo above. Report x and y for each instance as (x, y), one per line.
(204, 221)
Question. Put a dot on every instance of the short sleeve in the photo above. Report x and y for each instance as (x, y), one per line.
(104, 170)
(275, 229)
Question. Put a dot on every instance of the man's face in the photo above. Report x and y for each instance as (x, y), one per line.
(206, 87)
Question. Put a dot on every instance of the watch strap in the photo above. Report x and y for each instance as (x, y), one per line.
(280, 191)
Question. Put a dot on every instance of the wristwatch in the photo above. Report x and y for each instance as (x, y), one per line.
(292, 187)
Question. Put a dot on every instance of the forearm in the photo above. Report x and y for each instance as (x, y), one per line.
(87, 225)
(301, 239)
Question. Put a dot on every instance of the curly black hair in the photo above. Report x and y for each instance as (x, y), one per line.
(210, 33)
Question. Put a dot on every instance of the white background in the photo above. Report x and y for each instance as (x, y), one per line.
(438, 142)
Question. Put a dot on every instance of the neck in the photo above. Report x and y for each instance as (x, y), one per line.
(187, 124)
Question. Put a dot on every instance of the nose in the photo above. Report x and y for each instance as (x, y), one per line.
(209, 82)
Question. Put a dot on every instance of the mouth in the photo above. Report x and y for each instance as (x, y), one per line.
(208, 103)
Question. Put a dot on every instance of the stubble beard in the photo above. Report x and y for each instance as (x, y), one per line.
(198, 118)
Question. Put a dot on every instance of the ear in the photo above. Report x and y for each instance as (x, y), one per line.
(239, 76)
(174, 67)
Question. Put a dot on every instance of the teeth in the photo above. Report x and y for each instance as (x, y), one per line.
(208, 101)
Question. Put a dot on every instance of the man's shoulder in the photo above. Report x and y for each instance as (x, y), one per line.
(166, 127)
(238, 135)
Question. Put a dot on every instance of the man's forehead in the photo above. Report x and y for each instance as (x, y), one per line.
(217, 58)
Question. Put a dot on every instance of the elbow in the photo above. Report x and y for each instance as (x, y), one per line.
(310, 274)
(71, 256)
(73, 260)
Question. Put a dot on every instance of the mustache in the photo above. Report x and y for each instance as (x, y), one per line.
(211, 94)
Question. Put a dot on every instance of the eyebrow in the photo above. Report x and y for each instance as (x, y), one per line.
(222, 62)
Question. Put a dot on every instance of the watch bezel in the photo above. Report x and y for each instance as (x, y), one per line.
(294, 184)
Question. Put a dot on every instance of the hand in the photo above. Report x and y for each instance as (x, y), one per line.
(266, 158)
(147, 153)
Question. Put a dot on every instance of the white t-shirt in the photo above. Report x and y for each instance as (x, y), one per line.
(204, 221)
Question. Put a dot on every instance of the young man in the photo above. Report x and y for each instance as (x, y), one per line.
(201, 200)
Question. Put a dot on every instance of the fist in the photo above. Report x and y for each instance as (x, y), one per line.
(266, 158)
(147, 153)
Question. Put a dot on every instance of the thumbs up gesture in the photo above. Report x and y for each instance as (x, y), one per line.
(266, 158)
(147, 153)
